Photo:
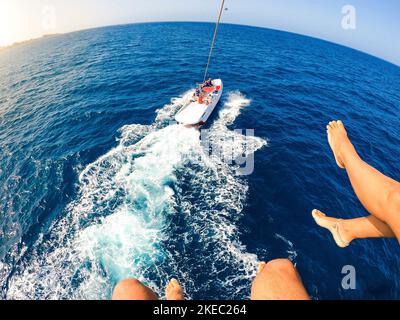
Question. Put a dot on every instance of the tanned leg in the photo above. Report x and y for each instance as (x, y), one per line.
(350, 229)
(278, 280)
(132, 289)
(379, 194)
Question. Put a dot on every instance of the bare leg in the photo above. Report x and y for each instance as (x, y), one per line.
(345, 231)
(278, 280)
(379, 194)
(132, 289)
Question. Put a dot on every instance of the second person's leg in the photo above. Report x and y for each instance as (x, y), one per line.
(379, 194)
(346, 230)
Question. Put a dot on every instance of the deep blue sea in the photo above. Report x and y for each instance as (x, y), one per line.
(96, 185)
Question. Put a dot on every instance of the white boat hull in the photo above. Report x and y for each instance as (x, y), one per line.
(196, 113)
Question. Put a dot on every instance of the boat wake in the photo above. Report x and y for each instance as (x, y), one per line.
(142, 207)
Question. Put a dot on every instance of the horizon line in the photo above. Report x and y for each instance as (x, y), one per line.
(16, 44)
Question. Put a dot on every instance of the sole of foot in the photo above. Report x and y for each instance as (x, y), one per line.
(337, 138)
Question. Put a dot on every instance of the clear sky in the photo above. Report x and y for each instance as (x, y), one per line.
(377, 24)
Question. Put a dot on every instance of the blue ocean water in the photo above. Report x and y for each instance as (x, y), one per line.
(95, 185)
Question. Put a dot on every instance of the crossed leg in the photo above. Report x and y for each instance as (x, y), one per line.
(379, 194)
(345, 231)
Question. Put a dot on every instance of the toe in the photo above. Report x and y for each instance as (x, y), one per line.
(174, 283)
(261, 266)
(170, 285)
(174, 290)
(330, 126)
(318, 214)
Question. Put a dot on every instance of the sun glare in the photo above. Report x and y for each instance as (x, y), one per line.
(11, 23)
(7, 23)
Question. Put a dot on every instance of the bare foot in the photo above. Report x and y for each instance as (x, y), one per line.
(335, 226)
(174, 290)
(337, 138)
(261, 266)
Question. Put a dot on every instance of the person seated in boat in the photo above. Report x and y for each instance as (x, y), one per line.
(201, 98)
(208, 83)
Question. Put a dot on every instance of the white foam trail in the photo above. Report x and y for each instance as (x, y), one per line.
(233, 143)
(292, 253)
(121, 225)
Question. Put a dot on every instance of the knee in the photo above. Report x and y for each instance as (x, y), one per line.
(280, 266)
(278, 280)
(129, 283)
(125, 287)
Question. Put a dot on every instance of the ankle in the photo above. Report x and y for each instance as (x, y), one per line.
(346, 152)
(347, 232)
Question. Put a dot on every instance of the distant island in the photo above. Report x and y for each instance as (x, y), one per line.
(16, 44)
